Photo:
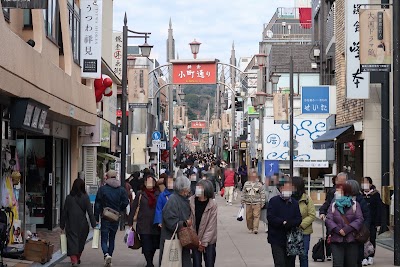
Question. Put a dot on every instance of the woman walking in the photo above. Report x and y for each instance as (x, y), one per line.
(343, 220)
(307, 211)
(283, 215)
(74, 222)
(373, 198)
(204, 216)
(229, 182)
(163, 198)
(145, 206)
(254, 198)
(177, 213)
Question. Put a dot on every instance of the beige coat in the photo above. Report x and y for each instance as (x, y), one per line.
(208, 226)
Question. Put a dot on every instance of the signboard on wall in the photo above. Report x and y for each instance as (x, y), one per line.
(117, 53)
(194, 73)
(91, 38)
(198, 124)
(375, 40)
(315, 100)
(357, 82)
(276, 139)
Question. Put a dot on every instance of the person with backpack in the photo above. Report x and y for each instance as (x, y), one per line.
(110, 197)
(343, 220)
(307, 211)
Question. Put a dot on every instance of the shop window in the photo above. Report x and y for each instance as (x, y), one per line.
(74, 15)
(52, 20)
(27, 19)
(6, 12)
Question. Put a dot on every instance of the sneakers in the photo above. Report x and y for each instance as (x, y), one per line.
(107, 260)
(250, 231)
(255, 232)
(364, 262)
(266, 227)
(328, 258)
(370, 260)
(230, 204)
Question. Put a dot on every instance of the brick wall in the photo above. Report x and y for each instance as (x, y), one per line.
(347, 110)
(280, 54)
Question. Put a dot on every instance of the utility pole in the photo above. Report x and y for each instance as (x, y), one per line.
(291, 154)
(396, 135)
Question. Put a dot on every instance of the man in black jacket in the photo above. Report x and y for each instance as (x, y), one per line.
(341, 178)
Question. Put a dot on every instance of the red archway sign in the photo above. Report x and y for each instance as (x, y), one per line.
(194, 72)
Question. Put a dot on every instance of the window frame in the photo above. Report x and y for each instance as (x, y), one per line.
(74, 20)
(30, 24)
(55, 22)
(6, 13)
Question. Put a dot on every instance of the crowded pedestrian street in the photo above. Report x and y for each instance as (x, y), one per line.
(235, 246)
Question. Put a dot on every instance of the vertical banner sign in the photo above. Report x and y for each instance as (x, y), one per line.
(239, 123)
(117, 54)
(375, 40)
(91, 37)
(357, 82)
(281, 108)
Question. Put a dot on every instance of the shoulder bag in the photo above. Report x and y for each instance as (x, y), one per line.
(361, 235)
(109, 214)
(137, 209)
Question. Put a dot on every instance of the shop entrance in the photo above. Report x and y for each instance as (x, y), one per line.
(46, 172)
(351, 155)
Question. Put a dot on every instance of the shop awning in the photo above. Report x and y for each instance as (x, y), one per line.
(107, 156)
(327, 140)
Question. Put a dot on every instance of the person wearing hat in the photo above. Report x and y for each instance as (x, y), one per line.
(111, 195)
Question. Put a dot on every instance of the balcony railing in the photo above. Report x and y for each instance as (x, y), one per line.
(289, 31)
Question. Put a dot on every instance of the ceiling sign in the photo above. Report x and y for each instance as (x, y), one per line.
(194, 73)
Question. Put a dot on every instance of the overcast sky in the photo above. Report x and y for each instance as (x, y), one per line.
(214, 23)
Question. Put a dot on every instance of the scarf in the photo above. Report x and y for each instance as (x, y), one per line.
(343, 202)
(151, 197)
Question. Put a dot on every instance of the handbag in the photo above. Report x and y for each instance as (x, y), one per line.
(137, 209)
(172, 252)
(188, 238)
(294, 242)
(362, 235)
(133, 241)
(110, 214)
(368, 249)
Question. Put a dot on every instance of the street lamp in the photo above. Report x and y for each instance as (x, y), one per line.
(259, 99)
(182, 96)
(195, 47)
(274, 79)
(146, 50)
(261, 59)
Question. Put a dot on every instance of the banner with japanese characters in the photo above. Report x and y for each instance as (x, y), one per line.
(375, 40)
(91, 38)
(194, 73)
(357, 82)
(117, 54)
(281, 108)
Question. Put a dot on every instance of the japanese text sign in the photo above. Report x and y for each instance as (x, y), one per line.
(117, 54)
(281, 108)
(271, 168)
(198, 124)
(315, 99)
(91, 38)
(194, 73)
(357, 82)
(375, 41)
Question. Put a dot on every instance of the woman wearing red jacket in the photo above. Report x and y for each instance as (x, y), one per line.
(229, 183)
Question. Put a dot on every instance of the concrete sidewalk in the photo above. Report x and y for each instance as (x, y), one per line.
(235, 246)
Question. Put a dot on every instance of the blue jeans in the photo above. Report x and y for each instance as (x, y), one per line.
(108, 231)
(209, 255)
(304, 257)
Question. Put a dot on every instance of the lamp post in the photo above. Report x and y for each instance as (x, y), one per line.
(275, 79)
(261, 60)
(195, 47)
(145, 50)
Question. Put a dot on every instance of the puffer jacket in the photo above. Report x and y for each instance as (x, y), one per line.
(207, 231)
(307, 210)
(334, 223)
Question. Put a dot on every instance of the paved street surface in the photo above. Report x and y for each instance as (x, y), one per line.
(235, 246)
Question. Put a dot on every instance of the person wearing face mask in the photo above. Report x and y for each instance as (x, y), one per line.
(145, 206)
(253, 197)
(373, 198)
(204, 216)
(343, 220)
(283, 214)
(177, 213)
(307, 210)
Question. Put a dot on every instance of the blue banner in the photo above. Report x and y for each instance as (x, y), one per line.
(315, 100)
(271, 167)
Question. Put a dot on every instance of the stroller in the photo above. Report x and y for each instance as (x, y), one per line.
(5, 228)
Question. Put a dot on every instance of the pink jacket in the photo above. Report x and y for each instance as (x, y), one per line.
(208, 226)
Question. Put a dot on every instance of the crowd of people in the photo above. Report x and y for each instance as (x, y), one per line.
(158, 206)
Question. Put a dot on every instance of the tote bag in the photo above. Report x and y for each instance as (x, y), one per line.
(63, 240)
(294, 242)
(172, 253)
(96, 238)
